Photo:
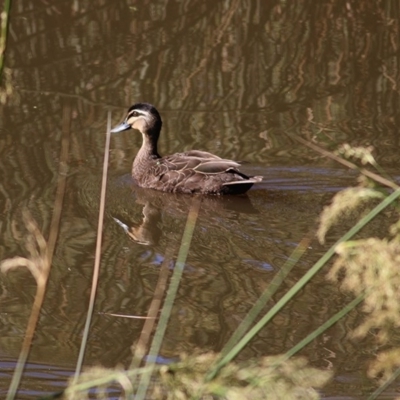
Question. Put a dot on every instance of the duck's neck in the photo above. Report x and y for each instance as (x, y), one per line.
(149, 147)
(147, 153)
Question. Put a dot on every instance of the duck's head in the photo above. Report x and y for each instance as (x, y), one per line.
(141, 116)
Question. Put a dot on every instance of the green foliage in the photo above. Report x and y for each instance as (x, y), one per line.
(369, 268)
(366, 266)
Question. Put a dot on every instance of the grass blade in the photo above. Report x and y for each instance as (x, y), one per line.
(170, 298)
(384, 386)
(142, 344)
(299, 285)
(323, 327)
(266, 296)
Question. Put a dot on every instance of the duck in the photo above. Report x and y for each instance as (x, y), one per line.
(191, 172)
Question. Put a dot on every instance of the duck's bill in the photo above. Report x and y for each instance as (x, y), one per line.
(121, 127)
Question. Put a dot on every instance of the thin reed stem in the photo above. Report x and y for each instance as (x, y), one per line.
(346, 163)
(96, 268)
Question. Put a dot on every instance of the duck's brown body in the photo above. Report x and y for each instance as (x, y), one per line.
(190, 172)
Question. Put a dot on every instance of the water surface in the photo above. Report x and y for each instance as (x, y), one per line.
(228, 77)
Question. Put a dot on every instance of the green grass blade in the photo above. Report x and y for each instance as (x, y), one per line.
(323, 327)
(384, 386)
(266, 296)
(299, 285)
(170, 297)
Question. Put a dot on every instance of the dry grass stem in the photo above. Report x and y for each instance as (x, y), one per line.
(372, 175)
(96, 267)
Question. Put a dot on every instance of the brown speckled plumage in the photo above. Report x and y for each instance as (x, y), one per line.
(190, 172)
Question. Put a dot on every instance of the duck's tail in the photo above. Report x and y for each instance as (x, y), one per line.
(240, 187)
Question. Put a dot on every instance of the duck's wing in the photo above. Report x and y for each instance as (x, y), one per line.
(193, 163)
(216, 166)
(188, 173)
(199, 154)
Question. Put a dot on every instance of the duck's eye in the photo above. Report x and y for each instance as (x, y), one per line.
(134, 114)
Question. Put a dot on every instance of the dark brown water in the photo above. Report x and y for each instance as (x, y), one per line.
(228, 77)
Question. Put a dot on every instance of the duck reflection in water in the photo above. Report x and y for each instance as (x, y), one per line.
(160, 210)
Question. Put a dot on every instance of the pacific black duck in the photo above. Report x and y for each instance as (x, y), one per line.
(194, 171)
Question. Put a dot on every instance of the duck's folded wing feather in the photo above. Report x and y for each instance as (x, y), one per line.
(174, 164)
(189, 164)
(199, 154)
(216, 166)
